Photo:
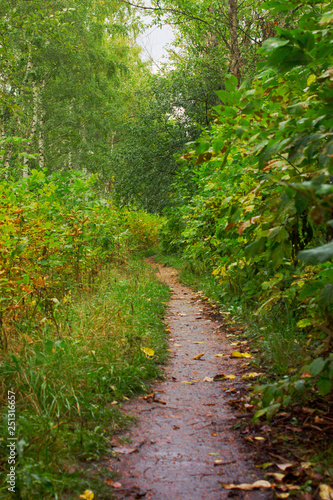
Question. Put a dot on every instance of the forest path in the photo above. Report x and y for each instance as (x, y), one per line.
(183, 429)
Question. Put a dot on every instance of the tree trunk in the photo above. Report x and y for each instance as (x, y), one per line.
(235, 63)
(41, 140)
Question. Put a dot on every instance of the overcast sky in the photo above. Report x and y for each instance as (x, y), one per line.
(154, 42)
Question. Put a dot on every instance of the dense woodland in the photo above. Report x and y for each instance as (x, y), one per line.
(223, 158)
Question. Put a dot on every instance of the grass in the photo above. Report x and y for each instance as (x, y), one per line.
(69, 385)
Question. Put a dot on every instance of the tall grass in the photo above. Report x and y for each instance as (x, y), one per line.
(69, 384)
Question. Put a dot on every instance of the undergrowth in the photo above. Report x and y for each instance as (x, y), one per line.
(69, 387)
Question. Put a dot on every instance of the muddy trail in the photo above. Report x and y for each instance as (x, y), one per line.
(183, 445)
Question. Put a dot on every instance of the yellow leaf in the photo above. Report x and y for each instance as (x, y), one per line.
(259, 438)
(250, 375)
(148, 351)
(218, 355)
(185, 382)
(246, 486)
(311, 79)
(325, 492)
(87, 495)
(222, 376)
(198, 356)
(40, 282)
(114, 402)
(200, 342)
(283, 495)
(236, 354)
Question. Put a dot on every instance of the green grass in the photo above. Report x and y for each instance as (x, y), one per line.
(65, 383)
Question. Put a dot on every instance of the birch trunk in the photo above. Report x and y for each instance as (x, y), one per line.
(34, 120)
(41, 138)
(235, 55)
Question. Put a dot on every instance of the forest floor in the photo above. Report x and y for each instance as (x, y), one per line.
(184, 445)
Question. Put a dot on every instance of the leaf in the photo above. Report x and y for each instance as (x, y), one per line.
(274, 43)
(222, 376)
(325, 492)
(199, 356)
(230, 82)
(87, 495)
(208, 379)
(324, 386)
(265, 465)
(316, 366)
(218, 355)
(312, 78)
(255, 248)
(277, 475)
(317, 255)
(327, 18)
(237, 354)
(251, 375)
(124, 450)
(246, 486)
(148, 351)
(303, 323)
(285, 466)
(117, 485)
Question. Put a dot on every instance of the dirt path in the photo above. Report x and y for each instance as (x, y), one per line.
(184, 428)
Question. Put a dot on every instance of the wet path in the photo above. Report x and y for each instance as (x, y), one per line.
(183, 439)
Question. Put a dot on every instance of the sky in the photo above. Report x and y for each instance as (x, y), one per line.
(154, 42)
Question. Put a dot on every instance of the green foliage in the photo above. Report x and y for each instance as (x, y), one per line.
(263, 184)
(76, 309)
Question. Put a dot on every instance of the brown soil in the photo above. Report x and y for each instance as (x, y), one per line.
(183, 445)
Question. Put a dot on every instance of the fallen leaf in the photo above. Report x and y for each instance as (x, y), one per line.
(117, 485)
(148, 351)
(197, 380)
(177, 345)
(218, 355)
(185, 382)
(204, 342)
(213, 453)
(306, 465)
(251, 375)
(198, 356)
(259, 438)
(208, 379)
(277, 475)
(109, 482)
(282, 495)
(114, 402)
(265, 465)
(246, 486)
(124, 450)
(325, 492)
(87, 495)
(237, 354)
(222, 376)
(284, 466)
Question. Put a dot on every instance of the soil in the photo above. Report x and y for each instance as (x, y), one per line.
(183, 445)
